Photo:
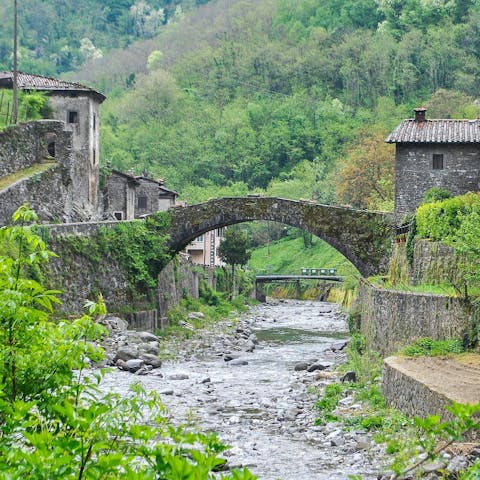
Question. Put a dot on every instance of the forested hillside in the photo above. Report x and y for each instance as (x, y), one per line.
(59, 35)
(294, 97)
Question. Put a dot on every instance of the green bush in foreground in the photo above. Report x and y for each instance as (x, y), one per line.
(55, 423)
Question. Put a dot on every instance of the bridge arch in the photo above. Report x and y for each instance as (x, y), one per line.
(362, 237)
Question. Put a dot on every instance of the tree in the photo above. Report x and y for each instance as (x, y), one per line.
(234, 250)
(366, 178)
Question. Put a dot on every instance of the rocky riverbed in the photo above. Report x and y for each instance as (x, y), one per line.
(252, 382)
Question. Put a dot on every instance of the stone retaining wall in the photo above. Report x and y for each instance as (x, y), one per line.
(24, 145)
(391, 319)
(82, 277)
(410, 395)
(433, 262)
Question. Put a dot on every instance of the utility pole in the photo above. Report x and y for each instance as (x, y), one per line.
(15, 64)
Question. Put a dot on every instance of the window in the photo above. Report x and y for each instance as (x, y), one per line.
(220, 232)
(142, 202)
(437, 162)
(200, 238)
(118, 215)
(72, 117)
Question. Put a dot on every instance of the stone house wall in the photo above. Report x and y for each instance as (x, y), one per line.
(119, 196)
(50, 193)
(85, 137)
(149, 191)
(391, 319)
(414, 173)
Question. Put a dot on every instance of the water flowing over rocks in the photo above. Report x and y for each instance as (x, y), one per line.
(245, 383)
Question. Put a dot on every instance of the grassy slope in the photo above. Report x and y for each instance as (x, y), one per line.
(288, 256)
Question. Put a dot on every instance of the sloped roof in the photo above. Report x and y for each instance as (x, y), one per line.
(436, 131)
(27, 81)
(160, 185)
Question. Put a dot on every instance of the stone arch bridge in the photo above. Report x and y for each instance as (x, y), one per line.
(363, 237)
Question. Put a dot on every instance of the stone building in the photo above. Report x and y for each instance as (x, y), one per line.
(127, 196)
(434, 153)
(77, 107)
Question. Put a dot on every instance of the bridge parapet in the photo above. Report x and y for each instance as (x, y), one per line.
(363, 237)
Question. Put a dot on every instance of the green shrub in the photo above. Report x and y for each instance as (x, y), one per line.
(435, 194)
(441, 219)
(429, 347)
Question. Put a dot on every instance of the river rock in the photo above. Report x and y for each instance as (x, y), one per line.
(115, 324)
(126, 352)
(339, 346)
(228, 357)
(300, 366)
(349, 377)
(196, 315)
(166, 391)
(151, 360)
(318, 366)
(149, 347)
(134, 364)
(249, 347)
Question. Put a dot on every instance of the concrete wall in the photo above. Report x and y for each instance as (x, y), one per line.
(391, 319)
(414, 173)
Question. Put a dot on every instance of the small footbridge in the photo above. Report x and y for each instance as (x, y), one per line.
(363, 237)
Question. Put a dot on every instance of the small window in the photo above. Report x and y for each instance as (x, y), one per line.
(142, 202)
(200, 238)
(72, 117)
(94, 123)
(220, 232)
(118, 215)
(437, 161)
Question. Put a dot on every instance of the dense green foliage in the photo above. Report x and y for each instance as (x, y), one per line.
(31, 106)
(441, 220)
(56, 36)
(54, 420)
(288, 96)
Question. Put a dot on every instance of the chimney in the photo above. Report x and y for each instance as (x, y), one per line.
(420, 114)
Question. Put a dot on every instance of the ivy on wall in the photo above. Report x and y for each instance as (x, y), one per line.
(139, 247)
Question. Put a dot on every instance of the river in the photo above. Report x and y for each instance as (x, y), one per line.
(258, 403)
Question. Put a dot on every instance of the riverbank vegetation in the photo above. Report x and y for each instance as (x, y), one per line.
(54, 420)
(411, 443)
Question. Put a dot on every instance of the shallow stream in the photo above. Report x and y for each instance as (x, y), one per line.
(259, 404)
